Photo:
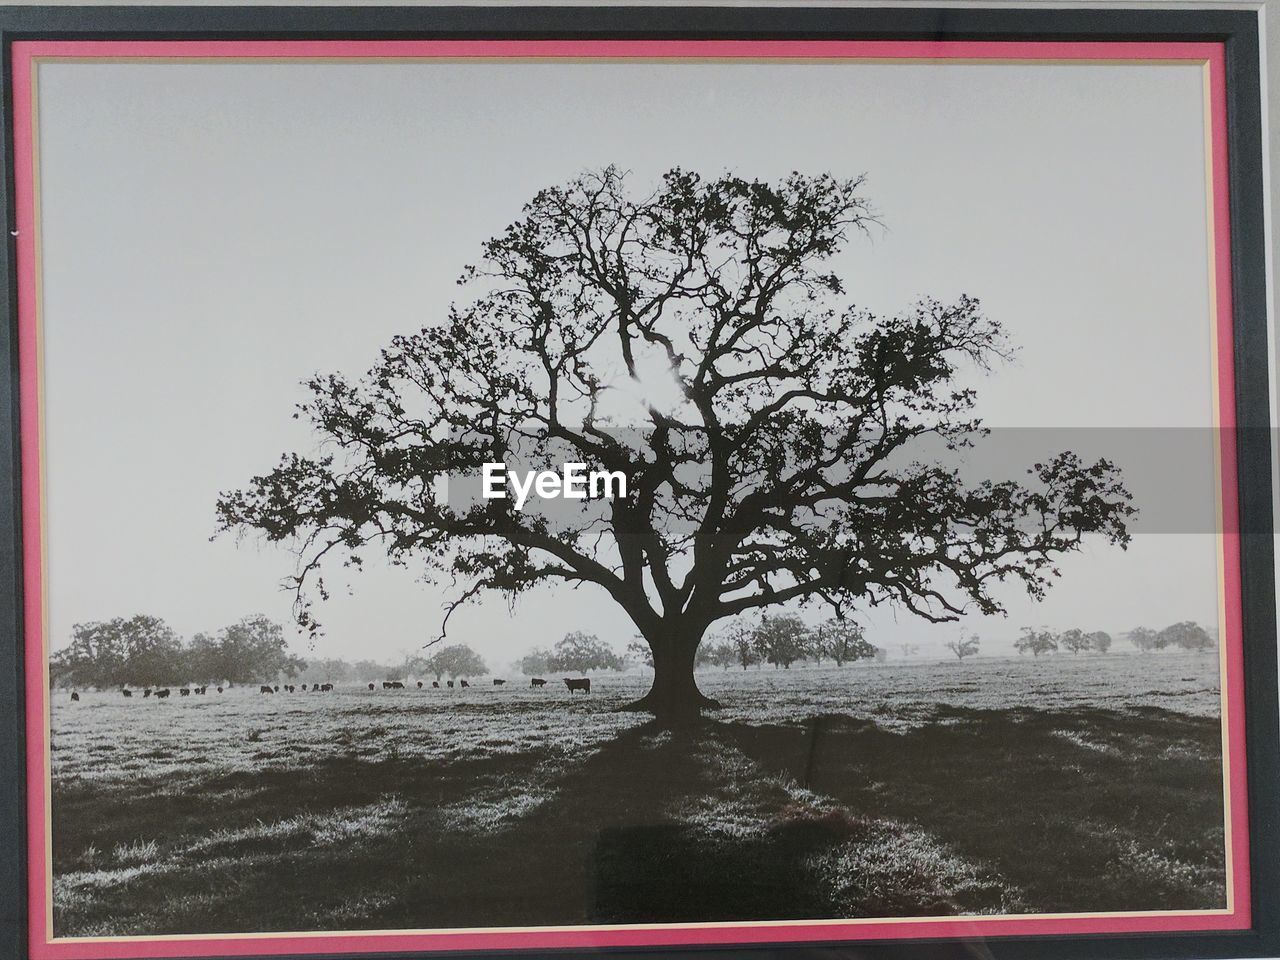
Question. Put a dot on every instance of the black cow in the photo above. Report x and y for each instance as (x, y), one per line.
(463, 683)
(219, 689)
(419, 684)
(450, 684)
(146, 693)
(291, 688)
(127, 693)
(584, 684)
(397, 685)
(386, 684)
(304, 688)
(537, 682)
(498, 683)
(326, 687)
(162, 694)
(185, 691)
(202, 690)
(436, 684)
(74, 695)
(275, 689)
(265, 689)
(371, 686)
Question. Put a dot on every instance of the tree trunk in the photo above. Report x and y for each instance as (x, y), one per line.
(675, 696)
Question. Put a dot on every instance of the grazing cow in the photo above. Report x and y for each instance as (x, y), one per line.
(127, 693)
(74, 695)
(498, 683)
(146, 693)
(584, 684)
(275, 689)
(450, 683)
(419, 684)
(202, 689)
(326, 687)
(265, 689)
(397, 685)
(537, 682)
(304, 688)
(463, 683)
(371, 686)
(291, 688)
(162, 694)
(185, 691)
(219, 689)
(386, 684)
(436, 684)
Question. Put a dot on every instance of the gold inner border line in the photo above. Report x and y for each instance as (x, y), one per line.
(618, 60)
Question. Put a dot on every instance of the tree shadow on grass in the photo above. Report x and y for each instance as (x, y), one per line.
(973, 812)
(1082, 810)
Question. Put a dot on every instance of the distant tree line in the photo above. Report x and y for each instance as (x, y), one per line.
(1185, 635)
(780, 640)
(1075, 640)
(784, 639)
(145, 651)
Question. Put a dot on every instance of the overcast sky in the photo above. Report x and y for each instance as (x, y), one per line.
(214, 234)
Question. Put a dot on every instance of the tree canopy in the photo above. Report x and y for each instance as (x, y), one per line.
(695, 336)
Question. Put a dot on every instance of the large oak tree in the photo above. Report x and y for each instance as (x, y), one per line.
(764, 445)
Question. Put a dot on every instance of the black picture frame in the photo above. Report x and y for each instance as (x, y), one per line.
(1238, 30)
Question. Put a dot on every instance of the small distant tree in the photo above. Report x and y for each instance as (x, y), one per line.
(705, 657)
(721, 653)
(1186, 635)
(1074, 641)
(582, 652)
(909, 649)
(963, 646)
(740, 635)
(783, 639)
(1100, 641)
(334, 670)
(456, 660)
(1144, 638)
(640, 651)
(1036, 642)
(536, 661)
(841, 640)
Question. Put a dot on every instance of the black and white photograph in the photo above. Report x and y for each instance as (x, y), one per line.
(513, 493)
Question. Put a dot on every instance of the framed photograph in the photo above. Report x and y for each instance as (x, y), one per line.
(542, 479)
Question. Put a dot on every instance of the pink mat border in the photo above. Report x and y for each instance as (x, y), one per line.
(43, 948)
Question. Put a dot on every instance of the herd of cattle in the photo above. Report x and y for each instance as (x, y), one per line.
(162, 693)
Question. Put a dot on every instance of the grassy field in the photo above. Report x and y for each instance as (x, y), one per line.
(989, 786)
